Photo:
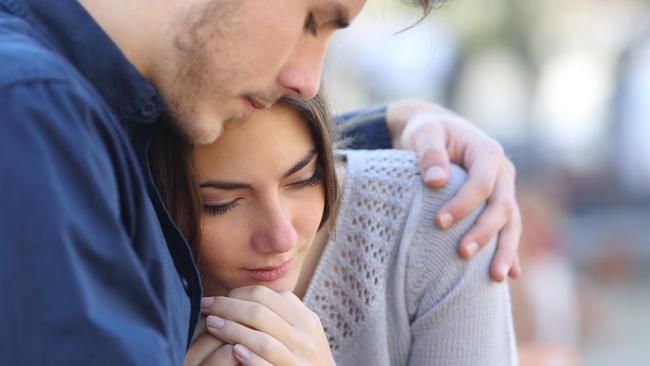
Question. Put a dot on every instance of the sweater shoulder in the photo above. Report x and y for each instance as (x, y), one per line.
(348, 289)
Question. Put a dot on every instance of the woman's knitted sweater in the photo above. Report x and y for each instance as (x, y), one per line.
(390, 288)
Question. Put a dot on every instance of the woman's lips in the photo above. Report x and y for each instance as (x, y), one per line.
(268, 274)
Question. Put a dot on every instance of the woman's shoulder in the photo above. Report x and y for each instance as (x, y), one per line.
(398, 167)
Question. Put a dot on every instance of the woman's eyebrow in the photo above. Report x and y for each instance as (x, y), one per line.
(231, 186)
(302, 163)
(224, 185)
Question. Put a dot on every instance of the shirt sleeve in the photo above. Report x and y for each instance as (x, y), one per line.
(365, 129)
(74, 289)
(459, 315)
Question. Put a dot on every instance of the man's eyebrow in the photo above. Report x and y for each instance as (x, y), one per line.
(302, 163)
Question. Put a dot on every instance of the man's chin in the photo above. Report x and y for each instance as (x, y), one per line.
(202, 134)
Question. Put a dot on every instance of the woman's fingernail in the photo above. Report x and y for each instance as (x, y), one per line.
(214, 321)
(206, 301)
(445, 220)
(471, 248)
(241, 352)
(434, 173)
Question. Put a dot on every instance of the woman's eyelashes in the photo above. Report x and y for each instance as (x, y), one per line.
(220, 209)
(309, 182)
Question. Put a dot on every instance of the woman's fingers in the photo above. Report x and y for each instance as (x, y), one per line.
(255, 315)
(248, 358)
(202, 347)
(292, 312)
(223, 356)
(276, 326)
(260, 343)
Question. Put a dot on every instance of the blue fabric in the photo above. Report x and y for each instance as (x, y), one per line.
(92, 268)
(369, 130)
(86, 273)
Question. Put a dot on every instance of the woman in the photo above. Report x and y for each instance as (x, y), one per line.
(316, 261)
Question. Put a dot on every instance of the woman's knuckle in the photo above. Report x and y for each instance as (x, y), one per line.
(254, 313)
(265, 347)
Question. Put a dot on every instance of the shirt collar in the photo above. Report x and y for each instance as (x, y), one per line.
(67, 27)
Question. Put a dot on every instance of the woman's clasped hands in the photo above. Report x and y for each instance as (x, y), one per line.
(256, 325)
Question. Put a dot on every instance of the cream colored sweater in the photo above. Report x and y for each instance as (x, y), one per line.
(390, 288)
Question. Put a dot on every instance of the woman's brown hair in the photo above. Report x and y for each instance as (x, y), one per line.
(170, 159)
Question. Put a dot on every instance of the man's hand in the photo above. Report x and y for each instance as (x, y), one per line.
(267, 327)
(439, 137)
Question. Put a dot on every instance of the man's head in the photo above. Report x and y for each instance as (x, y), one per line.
(217, 60)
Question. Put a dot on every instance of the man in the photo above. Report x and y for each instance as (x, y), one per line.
(94, 270)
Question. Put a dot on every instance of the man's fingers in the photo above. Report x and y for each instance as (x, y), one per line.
(515, 271)
(428, 138)
(434, 167)
(506, 249)
(477, 189)
(492, 219)
(497, 213)
(432, 153)
(221, 357)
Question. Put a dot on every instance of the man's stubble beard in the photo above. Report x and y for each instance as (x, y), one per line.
(195, 80)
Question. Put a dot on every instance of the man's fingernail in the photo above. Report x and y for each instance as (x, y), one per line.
(503, 271)
(434, 173)
(471, 248)
(241, 352)
(445, 220)
(214, 321)
(206, 301)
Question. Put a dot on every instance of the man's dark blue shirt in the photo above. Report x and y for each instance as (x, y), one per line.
(93, 269)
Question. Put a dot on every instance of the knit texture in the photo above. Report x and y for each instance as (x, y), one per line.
(390, 288)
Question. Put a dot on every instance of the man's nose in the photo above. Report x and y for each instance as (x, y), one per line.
(301, 74)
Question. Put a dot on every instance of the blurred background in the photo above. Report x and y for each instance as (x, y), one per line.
(565, 87)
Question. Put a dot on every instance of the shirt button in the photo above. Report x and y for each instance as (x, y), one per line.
(148, 109)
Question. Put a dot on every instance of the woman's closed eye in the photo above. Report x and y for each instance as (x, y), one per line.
(314, 180)
(220, 208)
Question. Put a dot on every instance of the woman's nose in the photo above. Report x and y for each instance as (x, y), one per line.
(277, 233)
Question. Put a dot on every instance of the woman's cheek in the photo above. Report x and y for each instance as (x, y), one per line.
(308, 213)
(219, 246)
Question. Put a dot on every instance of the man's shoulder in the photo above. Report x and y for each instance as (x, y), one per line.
(24, 58)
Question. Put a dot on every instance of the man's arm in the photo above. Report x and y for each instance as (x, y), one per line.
(75, 291)
(441, 137)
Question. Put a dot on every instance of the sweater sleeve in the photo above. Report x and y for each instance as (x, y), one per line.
(458, 315)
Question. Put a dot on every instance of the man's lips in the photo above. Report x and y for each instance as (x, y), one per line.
(257, 104)
(272, 273)
(250, 104)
